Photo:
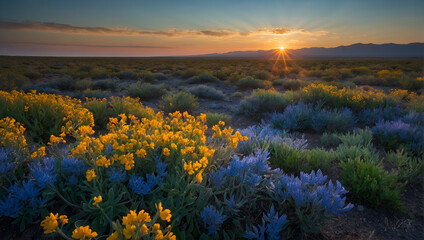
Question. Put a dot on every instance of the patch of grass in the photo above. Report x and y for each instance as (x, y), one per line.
(203, 91)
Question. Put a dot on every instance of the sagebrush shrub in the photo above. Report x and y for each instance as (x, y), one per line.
(203, 91)
(250, 83)
(181, 101)
(203, 78)
(215, 118)
(263, 101)
(145, 91)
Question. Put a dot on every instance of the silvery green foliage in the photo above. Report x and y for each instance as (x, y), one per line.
(263, 135)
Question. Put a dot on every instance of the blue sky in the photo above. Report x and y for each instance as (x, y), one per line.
(149, 28)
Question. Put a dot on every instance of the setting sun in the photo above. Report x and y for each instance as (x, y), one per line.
(282, 48)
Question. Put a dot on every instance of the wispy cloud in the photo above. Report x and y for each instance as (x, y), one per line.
(81, 45)
(32, 26)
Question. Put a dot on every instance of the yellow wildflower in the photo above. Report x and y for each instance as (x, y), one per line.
(97, 200)
(90, 174)
(166, 152)
(113, 236)
(165, 215)
(50, 223)
(83, 232)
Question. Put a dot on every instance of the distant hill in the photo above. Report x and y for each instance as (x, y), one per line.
(354, 50)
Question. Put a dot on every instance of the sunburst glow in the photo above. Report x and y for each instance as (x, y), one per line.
(282, 48)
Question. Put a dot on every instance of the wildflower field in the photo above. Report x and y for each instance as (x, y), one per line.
(110, 148)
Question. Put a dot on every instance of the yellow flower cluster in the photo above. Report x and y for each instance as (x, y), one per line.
(354, 98)
(226, 133)
(402, 95)
(140, 225)
(83, 232)
(39, 153)
(179, 135)
(55, 140)
(12, 134)
(50, 223)
(69, 112)
(90, 175)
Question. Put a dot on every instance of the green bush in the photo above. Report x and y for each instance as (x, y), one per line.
(361, 138)
(189, 73)
(63, 83)
(11, 80)
(181, 101)
(98, 73)
(237, 95)
(345, 153)
(412, 84)
(292, 160)
(369, 184)
(203, 91)
(263, 101)
(83, 84)
(148, 77)
(330, 139)
(250, 83)
(289, 84)
(105, 84)
(409, 170)
(263, 75)
(127, 75)
(99, 109)
(222, 74)
(214, 118)
(202, 78)
(145, 91)
(234, 77)
(42, 114)
(360, 70)
(369, 80)
(160, 76)
(127, 105)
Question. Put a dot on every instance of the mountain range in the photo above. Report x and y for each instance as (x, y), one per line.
(355, 50)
